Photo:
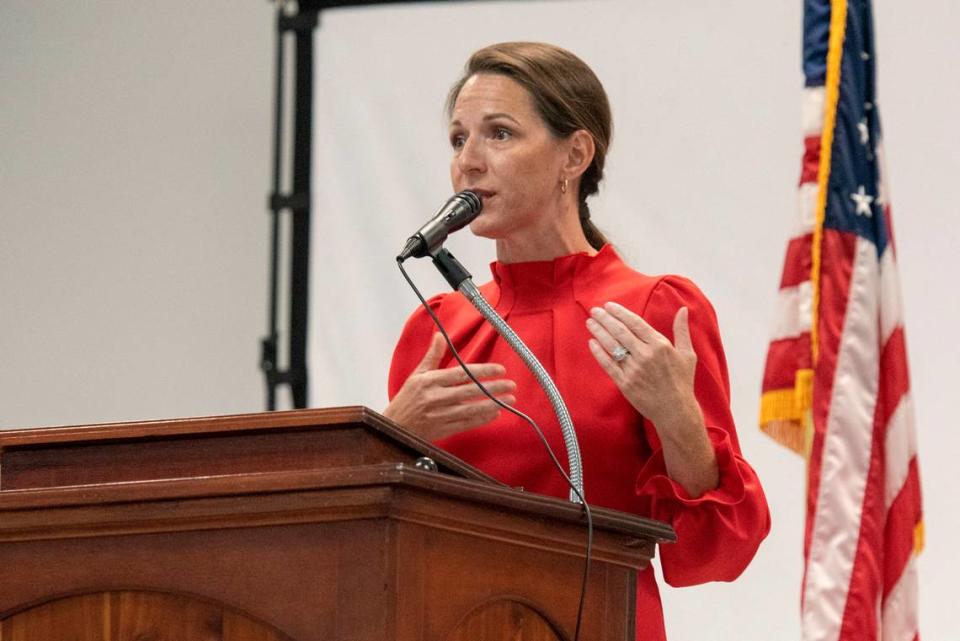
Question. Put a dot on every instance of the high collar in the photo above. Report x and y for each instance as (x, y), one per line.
(540, 285)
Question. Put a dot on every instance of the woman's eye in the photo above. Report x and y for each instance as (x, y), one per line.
(502, 134)
(457, 141)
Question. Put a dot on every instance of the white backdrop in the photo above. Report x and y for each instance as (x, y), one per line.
(701, 181)
(135, 159)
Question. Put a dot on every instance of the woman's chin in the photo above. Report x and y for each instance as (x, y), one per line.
(485, 228)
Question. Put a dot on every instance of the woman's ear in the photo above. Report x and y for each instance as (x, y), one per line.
(580, 151)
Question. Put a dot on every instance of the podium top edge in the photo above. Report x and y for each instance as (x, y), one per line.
(350, 416)
(320, 417)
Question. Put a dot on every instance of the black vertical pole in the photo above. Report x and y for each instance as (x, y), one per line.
(268, 346)
(302, 170)
(302, 24)
(301, 19)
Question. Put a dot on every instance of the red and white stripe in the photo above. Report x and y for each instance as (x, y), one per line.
(863, 526)
(860, 579)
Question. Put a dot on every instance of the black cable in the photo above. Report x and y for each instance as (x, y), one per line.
(536, 428)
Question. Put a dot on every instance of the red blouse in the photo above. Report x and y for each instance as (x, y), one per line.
(547, 304)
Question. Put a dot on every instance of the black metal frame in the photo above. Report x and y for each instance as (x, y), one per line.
(300, 19)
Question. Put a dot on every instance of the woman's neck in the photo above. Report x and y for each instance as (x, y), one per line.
(545, 244)
(517, 251)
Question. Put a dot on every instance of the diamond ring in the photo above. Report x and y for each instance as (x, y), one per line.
(619, 353)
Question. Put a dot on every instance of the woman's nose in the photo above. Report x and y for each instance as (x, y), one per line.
(471, 158)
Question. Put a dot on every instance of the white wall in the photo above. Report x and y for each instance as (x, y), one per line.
(133, 235)
(134, 167)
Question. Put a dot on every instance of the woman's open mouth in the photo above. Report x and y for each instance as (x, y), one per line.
(483, 193)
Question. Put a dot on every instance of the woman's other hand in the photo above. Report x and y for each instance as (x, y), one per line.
(656, 377)
(436, 403)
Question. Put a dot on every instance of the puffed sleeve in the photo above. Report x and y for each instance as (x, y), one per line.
(412, 345)
(719, 532)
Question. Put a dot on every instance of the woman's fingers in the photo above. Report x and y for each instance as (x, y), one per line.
(681, 331)
(431, 360)
(603, 337)
(452, 375)
(462, 416)
(441, 402)
(469, 391)
(614, 330)
(456, 376)
(606, 361)
(658, 375)
(633, 322)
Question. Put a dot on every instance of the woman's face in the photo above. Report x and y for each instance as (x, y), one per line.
(503, 151)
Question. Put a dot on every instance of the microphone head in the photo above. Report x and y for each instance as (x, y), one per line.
(476, 203)
(455, 214)
(462, 208)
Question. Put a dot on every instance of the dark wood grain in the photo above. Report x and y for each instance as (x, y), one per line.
(81, 618)
(150, 502)
(134, 616)
(504, 620)
(237, 627)
(139, 616)
(248, 443)
(275, 542)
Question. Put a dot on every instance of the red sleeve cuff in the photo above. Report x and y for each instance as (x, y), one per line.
(663, 497)
(717, 533)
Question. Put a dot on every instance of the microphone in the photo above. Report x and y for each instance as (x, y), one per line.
(455, 214)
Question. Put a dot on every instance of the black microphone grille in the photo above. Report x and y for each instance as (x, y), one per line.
(471, 200)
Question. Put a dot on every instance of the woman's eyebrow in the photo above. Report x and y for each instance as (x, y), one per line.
(501, 115)
(486, 118)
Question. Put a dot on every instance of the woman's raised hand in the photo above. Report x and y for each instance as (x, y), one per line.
(656, 377)
(435, 403)
(653, 374)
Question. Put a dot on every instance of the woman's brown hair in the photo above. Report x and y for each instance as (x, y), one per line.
(567, 95)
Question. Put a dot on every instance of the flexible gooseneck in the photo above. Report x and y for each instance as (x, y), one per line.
(460, 279)
(472, 293)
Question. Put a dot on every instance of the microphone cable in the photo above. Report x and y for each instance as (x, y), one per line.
(543, 439)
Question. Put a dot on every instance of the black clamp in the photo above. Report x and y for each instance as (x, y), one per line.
(268, 357)
(304, 22)
(296, 202)
(268, 365)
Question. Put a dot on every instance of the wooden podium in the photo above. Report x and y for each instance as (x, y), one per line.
(312, 525)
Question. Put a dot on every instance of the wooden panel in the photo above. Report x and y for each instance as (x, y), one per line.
(311, 566)
(433, 499)
(504, 620)
(134, 616)
(460, 570)
(312, 582)
(237, 627)
(223, 523)
(58, 465)
(49, 454)
(80, 618)
(164, 617)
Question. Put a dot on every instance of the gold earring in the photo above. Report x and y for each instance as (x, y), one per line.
(563, 186)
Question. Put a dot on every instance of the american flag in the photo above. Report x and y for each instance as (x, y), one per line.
(836, 387)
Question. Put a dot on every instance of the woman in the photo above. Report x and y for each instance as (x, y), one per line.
(637, 358)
